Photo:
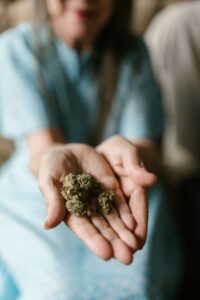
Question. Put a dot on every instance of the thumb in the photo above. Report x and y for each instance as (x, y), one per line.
(54, 202)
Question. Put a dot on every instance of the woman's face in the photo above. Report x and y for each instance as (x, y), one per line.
(78, 22)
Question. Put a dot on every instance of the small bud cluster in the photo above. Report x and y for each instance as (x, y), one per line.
(79, 190)
(105, 202)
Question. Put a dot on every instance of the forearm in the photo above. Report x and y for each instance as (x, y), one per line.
(39, 143)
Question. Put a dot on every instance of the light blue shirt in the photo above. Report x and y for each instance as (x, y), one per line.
(136, 112)
(57, 259)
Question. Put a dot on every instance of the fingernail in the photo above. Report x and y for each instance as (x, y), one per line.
(46, 226)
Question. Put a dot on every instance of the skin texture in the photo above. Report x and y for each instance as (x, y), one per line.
(116, 162)
(78, 22)
(117, 235)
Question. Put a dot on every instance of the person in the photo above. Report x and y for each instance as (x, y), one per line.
(173, 39)
(60, 74)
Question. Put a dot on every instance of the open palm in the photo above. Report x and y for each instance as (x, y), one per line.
(134, 179)
(109, 236)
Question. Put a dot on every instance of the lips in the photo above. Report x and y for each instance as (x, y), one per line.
(81, 11)
(84, 14)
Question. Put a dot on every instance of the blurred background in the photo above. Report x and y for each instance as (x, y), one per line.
(21, 10)
(181, 158)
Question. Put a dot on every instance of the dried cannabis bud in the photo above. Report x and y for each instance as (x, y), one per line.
(77, 207)
(70, 186)
(85, 181)
(79, 190)
(106, 202)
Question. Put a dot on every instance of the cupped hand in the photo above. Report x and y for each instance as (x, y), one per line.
(123, 157)
(106, 236)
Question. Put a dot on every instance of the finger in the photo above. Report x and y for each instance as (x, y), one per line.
(86, 231)
(139, 208)
(135, 169)
(53, 200)
(127, 186)
(142, 177)
(120, 250)
(111, 183)
(124, 210)
(122, 231)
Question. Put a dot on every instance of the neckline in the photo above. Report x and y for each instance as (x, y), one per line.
(68, 52)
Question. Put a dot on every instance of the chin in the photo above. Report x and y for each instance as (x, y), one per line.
(79, 35)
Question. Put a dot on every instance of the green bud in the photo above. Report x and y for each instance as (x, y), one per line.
(70, 186)
(83, 194)
(106, 202)
(85, 181)
(77, 207)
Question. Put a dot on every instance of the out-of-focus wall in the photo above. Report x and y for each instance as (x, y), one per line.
(18, 11)
(145, 10)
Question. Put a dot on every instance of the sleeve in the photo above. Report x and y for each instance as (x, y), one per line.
(23, 109)
(142, 114)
